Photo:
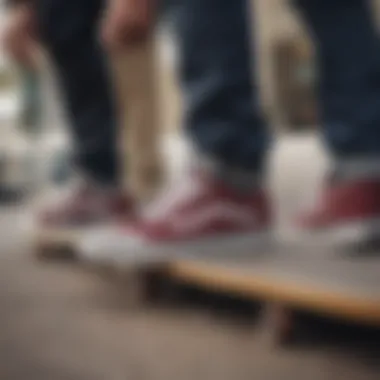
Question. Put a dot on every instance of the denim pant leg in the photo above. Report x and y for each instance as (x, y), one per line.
(223, 117)
(69, 30)
(348, 53)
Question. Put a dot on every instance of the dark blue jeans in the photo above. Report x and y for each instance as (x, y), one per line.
(70, 31)
(223, 116)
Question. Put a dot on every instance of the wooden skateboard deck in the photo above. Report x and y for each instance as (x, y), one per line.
(316, 280)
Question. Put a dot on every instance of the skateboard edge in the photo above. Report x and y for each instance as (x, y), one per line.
(270, 289)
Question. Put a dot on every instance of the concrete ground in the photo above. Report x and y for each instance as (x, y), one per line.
(61, 323)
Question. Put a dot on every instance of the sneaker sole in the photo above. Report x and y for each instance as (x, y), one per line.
(349, 235)
(151, 255)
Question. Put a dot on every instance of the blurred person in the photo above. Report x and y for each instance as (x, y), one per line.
(223, 197)
(70, 32)
(19, 42)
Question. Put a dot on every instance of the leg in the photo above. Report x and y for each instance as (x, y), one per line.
(223, 111)
(348, 54)
(69, 32)
(223, 198)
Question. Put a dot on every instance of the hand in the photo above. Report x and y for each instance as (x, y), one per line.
(19, 36)
(127, 22)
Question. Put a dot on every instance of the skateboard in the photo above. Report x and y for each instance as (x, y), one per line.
(290, 279)
(286, 281)
(134, 76)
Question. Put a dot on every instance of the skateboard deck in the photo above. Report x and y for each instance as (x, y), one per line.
(303, 278)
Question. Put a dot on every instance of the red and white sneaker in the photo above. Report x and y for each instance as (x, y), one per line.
(348, 213)
(83, 207)
(197, 215)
